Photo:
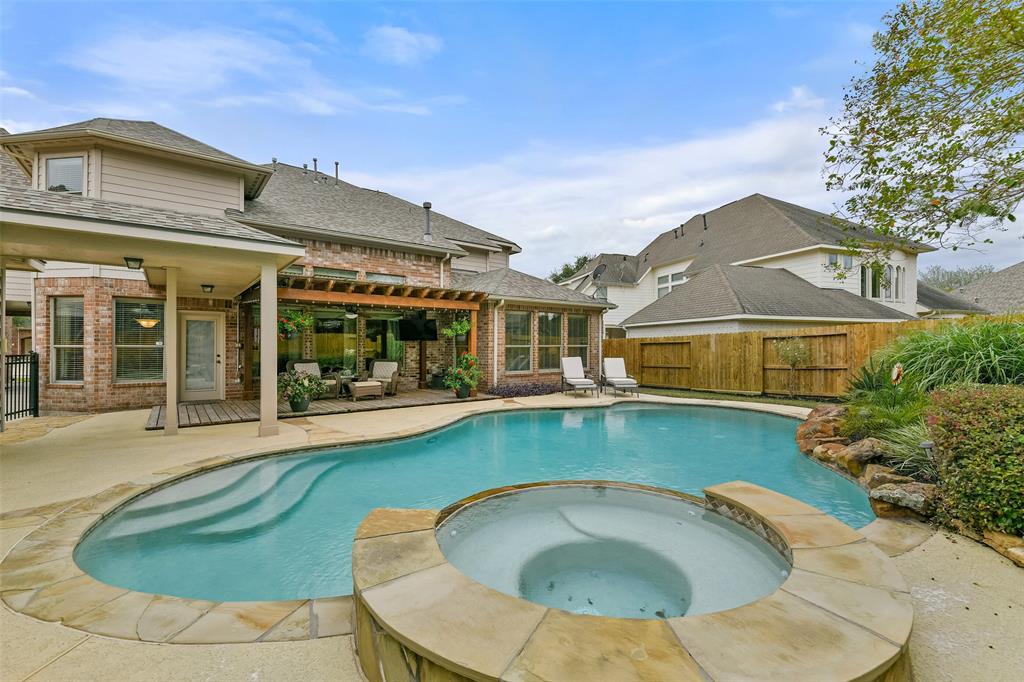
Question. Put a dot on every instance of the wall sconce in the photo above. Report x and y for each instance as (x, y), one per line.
(133, 263)
(147, 322)
(207, 288)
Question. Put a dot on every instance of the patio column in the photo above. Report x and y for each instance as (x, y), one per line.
(268, 350)
(171, 352)
(472, 332)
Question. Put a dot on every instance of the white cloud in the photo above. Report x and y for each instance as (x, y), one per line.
(14, 91)
(397, 45)
(800, 98)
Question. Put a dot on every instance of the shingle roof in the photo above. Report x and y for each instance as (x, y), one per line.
(55, 203)
(145, 131)
(619, 269)
(292, 199)
(509, 283)
(10, 172)
(941, 301)
(1001, 292)
(748, 228)
(726, 290)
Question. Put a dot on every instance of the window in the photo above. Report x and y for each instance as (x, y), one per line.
(579, 337)
(601, 293)
(898, 283)
(294, 270)
(848, 262)
(385, 279)
(335, 273)
(675, 278)
(888, 282)
(66, 338)
(335, 340)
(65, 174)
(864, 281)
(663, 287)
(870, 276)
(518, 337)
(549, 340)
(834, 259)
(678, 277)
(138, 340)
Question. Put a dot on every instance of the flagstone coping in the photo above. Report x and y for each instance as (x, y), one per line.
(843, 613)
(39, 577)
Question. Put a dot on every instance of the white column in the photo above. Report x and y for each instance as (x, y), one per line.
(171, 352)
(268, 350)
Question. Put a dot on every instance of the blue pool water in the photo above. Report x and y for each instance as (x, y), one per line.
(282, 527)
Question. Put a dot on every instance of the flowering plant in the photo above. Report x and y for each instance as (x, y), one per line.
(458, 327)
(292, 322)
(294, 385)
(465, 372)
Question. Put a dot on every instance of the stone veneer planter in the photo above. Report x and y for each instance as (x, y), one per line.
(844, 612)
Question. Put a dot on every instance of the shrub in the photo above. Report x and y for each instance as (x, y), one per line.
(793, 351)
(982, 352)
(979, 438)
(522, 390)
(876, 406)
(903, 451)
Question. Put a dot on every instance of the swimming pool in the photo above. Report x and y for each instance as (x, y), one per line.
(282, 527)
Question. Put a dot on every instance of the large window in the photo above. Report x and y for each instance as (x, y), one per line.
(579, 337)
(66, 333)
(138, 340)
(383, 278)
(518, 337)
(549, 340)
(889, 278)
(335, 340)
(65, 174)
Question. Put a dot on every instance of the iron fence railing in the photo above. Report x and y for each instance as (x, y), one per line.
(21, 385)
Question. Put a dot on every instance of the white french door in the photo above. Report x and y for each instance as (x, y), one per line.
(202, 356)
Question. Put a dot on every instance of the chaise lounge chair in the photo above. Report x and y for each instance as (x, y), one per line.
(573, 377)
(616, 377)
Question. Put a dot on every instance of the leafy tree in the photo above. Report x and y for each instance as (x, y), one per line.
(793, 351)
(571, 268)
(929, 143)
(951, 279)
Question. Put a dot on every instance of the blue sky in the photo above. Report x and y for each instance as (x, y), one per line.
(568, 127)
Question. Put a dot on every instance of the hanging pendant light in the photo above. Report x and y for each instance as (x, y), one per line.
(350, 313)
(147, 322)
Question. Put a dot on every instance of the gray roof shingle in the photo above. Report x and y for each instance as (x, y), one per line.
(55, 203)
(1001, 292)
(748, 228)
(292, 199)
(145, 131)
(725, 290)
(619, 269)
(941, 301)
(509, 283)
(10, 172)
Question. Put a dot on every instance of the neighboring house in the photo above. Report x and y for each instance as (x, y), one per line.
(739, 298)
(1001, 292)
(763, 233)
(358, 260)
(937, 304)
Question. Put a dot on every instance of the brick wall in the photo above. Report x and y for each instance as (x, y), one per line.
(99, 391)
(418, 269)
(491, 316)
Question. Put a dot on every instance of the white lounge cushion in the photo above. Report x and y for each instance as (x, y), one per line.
(311, 368)
(580, 383)
(384, 370)
(365, 384)
(621, 381)
(572, 368)
(615, 368)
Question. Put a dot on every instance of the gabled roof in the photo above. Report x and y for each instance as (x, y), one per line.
(753, 227)
(519, 286)
(944, 302)
(732, 290)
(146, 134)
(304, 201)
(618, 269)
(10, 172)
(1001, 292)
(26, 200)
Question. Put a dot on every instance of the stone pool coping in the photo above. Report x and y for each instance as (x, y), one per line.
(40, 579)
(843, 613)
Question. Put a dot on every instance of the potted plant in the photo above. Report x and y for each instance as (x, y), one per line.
(463, 376)
(299, 388)
(290, 323)
(458, 327)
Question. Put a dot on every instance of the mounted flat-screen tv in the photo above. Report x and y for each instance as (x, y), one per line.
(417, 329)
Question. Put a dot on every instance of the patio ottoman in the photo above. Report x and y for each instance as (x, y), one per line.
(360, 389)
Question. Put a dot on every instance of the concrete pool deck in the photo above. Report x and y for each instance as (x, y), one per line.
(957, 584)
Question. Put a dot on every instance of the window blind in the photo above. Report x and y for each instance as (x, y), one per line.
(138, 341)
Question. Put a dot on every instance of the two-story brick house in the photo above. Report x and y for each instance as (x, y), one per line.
(359, 260)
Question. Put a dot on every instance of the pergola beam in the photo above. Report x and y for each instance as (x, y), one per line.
(344, 298)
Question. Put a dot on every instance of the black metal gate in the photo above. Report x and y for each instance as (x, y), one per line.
(21, 385)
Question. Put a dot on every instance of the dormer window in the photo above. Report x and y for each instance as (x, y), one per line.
(65, 174)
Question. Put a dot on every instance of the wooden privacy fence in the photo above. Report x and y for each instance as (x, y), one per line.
(748, 362)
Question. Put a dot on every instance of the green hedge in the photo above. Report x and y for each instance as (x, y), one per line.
(979, 435)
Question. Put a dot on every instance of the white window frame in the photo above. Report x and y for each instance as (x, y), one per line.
(44, 181)
(116, 345)
(528, 346)
(54, 345)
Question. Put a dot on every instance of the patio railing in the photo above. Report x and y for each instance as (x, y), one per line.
(21, 385)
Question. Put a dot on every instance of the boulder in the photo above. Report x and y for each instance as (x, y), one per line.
(827, 410)
(881, 478)
(872, 469)
(821, 426)
(1010, 546)
(856, 456)
(917, 497)
(826, 452)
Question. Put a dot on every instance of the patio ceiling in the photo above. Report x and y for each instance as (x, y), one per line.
(336, 291)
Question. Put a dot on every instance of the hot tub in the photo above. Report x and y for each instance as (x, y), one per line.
(628, 552)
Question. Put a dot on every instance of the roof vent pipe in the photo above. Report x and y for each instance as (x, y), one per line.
(682, 229)
(335, 173)
(305, 168)
(704, 217)
(426, 227)
(274, 159)
(316, 173)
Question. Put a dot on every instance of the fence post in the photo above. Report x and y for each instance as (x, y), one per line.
(33, 385)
